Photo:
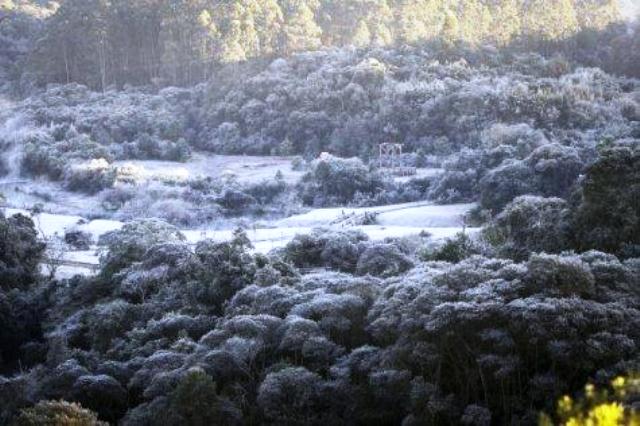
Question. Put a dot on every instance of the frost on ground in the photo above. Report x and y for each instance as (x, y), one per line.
(394, 221)
(420, 214)
(245, 169)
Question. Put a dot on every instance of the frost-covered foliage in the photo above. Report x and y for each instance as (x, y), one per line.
(322, 247)
(21, 335)
(334, 181)
(454, 250)
(348, 251)
(531, 224)
(132, 242)
(195, 201)
(520, 165)
(509, 125)
(76, 124)
(90, 177)
(383, 260)
(349, 101)
(501, 125)
(218, 335)
(21, 300)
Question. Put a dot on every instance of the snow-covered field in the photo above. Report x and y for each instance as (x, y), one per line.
(51, 225)
(399, 220)
(23, 194)
(417, 215)
(245, 169)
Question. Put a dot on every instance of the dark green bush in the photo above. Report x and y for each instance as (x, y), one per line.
(607, 216)
(20, 252)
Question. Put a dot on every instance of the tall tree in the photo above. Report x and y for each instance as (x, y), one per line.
(102, 42)
(300, 31)
(358, 22)
(476, 23)
(184, 40)
(417, 19)
(507, 21)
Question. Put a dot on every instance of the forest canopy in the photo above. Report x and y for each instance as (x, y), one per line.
(101, 43)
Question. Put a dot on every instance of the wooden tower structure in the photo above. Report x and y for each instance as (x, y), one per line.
(390, 155)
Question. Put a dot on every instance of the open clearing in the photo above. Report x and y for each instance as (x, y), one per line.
(243, 168)
(400, 220)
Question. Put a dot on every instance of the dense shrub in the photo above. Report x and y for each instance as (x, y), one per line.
(196, 401)
(20, 252)
(502, 184)
(130, 244)
(236, 201)
(491, 317)
(608, 213)
(80, 240)
(562, 276)
(556, 169)
(531, 225)
(40, 159)
(500, 174)
(221, 335)
(102, 394)
(292, 395)
(90, 178)
(383, 260)
(334, 181)
(21, 337)
(66, 126)
(267, 191)
(459, 182)
(223, 269)
(510, 126)
(453, 249)
(485, 101)
(521, 139)
(324, 248)
(177, 212)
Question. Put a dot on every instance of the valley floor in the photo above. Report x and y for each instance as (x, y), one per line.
(64, 210)
(422, 219)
